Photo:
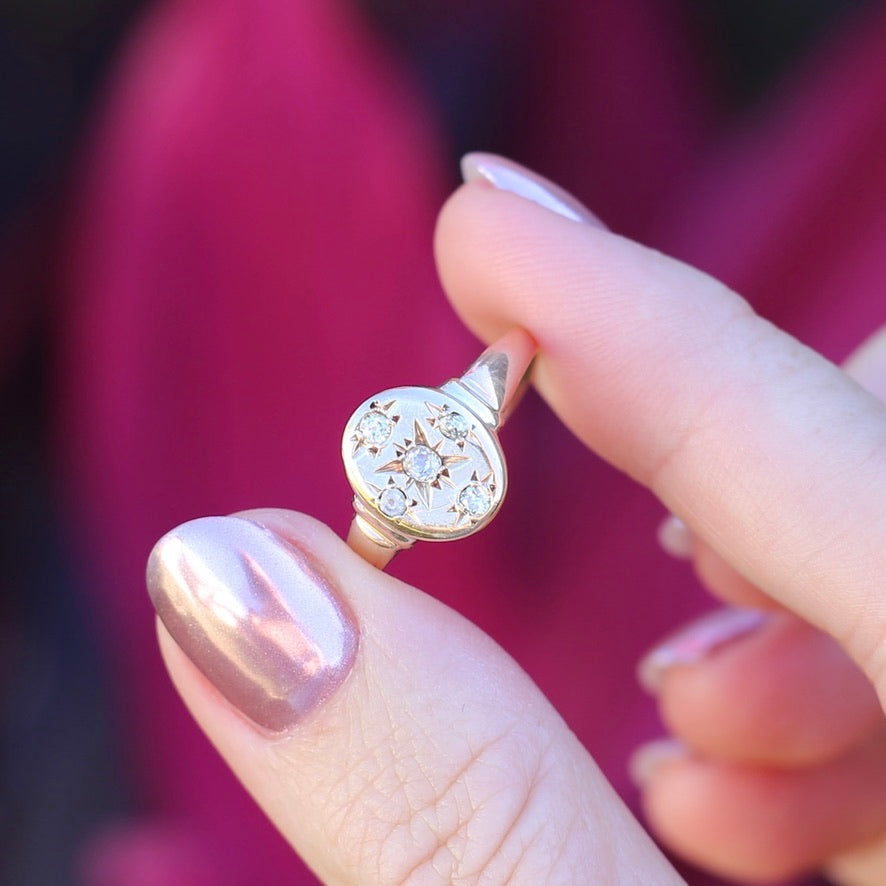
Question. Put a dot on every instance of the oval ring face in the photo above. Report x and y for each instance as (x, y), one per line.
(424, 463)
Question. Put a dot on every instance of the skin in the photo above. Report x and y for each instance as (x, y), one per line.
(781, 765)
(727, 709)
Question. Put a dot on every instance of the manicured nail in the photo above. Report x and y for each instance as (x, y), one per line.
(252, 613)
(649, 757)
(675, 538)
(506, 175)
(696, 641)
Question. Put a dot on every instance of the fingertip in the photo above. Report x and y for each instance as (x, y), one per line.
(649, 758)
(507, 175)
(506, 261)
(675, 538)
(694, 644)
(766, 823)
(256, 615)
(453, 236)
(762, 689)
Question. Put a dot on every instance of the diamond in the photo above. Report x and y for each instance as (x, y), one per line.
(453, 425)
(375, 428)
(475, 499)
(392, 502)
(422, 464)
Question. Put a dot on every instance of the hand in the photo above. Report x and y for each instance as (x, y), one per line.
(392, 741)
(780, 752)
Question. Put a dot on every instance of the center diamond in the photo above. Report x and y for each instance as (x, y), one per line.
(422, 464)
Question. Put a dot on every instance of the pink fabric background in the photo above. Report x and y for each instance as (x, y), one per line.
(250, 256)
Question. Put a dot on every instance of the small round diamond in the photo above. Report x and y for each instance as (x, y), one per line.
(453, 425)
(392, 502)
(422, 464)
(475, 499)
(375, 428)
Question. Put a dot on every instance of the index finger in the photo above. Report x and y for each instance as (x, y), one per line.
(769, 452)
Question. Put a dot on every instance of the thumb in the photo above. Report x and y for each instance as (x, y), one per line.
(386, 737)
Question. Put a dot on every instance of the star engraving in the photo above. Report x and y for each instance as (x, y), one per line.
(451, 424)
(375, 427)
(393, 502)
(475, 500)
(425, 467)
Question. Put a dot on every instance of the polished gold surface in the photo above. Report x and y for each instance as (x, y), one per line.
(426, 463)
(430, 500)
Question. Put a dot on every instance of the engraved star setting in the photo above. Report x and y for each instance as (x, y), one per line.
(424, 466)
(375, 427)
(424, 462)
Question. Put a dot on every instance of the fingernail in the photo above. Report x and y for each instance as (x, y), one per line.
(675, 538)
(508, 176)
(696, 641)
(253, 614)
(649, 757)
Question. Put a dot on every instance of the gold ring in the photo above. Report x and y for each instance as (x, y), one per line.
(426, 463)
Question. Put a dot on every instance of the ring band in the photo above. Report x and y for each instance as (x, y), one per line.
(426, 463)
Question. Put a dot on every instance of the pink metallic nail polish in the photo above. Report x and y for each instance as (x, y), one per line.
(696, 641)
(675, 538)
(506, 175)
(649, 757)
(253, 614)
